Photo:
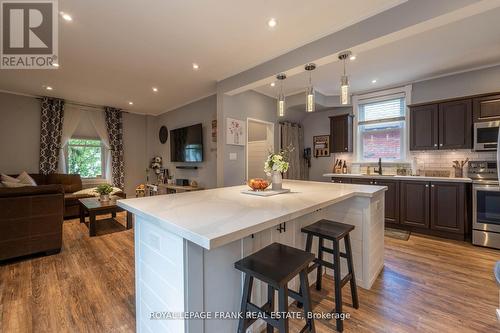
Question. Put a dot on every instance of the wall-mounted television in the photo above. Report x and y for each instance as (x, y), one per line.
(186, 144)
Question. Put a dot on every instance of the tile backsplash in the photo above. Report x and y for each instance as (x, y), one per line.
(426, 160)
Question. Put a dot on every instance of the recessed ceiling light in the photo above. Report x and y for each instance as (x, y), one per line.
(374, 81)
(55, 64)
(155, 89)
(130, 103)
(49, 88)
(196, 66)
(273, 84)
(66, 16)
(353, 57)
(272, 23)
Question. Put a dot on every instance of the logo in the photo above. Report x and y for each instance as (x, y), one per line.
(29, 34)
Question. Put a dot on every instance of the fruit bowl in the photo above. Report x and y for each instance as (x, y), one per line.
(258, 184)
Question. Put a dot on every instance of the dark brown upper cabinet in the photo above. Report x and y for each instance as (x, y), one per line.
(448, 207)
(341, 134)
(415, 203)
(486, 108)
(424, 127)
(445, 125)
(455, 125)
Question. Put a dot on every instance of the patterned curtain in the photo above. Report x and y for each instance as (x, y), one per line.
(114, 126)
(52, 118)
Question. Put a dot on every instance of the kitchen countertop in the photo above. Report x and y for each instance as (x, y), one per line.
(215, 217)
(421, 178)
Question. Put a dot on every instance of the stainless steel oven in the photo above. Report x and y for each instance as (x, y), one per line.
(485, 203)
(486, 135)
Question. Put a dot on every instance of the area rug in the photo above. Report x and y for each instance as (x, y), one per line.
(397, 234)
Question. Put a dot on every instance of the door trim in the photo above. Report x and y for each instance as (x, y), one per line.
(255, 120)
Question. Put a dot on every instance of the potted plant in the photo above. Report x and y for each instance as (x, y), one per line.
(275, 165)
(104, 190)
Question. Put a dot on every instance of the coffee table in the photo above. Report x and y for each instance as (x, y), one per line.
(94, 207)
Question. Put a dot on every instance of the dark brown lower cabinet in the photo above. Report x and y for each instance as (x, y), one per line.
(362, 181)
(341, 180)
(448, 207)
(415, 204)
(391, 199)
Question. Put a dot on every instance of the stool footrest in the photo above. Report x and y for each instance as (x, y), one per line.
(326, 249)
(266, 309)
(346, 279)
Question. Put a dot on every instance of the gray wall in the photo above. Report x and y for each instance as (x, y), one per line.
(249, 104)
(202, 111)
(317, 123)
(470, 83)
(20, 139)
(19, 133)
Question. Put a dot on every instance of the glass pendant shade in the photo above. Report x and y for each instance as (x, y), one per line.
(344, 90)
(310, 102)
(281, 105)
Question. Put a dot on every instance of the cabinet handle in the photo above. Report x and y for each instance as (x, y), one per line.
(432, 185)
(440, 145)
(426, 185)
(435, 145)
(345, 148)
(375, 183)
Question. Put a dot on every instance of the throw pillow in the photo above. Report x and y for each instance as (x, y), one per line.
(14, 184)
(9, 179)
(26, 179)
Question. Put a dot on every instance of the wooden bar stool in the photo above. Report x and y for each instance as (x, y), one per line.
(276, 265)
(333, 231)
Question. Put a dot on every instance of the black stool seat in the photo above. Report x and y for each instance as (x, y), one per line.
(328, 229)
(275, 264)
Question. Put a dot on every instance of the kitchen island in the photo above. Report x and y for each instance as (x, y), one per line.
(186, 245)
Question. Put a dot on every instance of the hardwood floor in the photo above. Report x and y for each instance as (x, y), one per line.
(427, 285)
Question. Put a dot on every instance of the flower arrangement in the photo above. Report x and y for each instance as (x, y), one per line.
(278, 162)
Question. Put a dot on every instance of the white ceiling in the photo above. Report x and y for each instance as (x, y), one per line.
(115, 51)
(468, 43)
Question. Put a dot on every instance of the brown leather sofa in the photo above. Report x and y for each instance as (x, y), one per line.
(70, 184)
(31, 220)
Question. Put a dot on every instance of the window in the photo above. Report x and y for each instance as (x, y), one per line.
(85, 157)
(381, 128)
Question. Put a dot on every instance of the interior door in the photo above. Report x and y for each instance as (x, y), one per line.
(260, 141)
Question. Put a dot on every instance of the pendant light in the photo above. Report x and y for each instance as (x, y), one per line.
(310, 100)
(281, 95)
(344, 80)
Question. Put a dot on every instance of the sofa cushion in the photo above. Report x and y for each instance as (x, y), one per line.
(30, 190)
(92, 193)
(71, 183)
(14, 184)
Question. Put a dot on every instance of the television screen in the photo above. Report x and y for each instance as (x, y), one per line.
(186, 144)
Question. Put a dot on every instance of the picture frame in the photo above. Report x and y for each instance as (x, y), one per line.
(321, 145)
(235, 132)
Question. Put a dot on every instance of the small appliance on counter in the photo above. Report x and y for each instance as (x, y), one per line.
(485, 203)
(182, 182)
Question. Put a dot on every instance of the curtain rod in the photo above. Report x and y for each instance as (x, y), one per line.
(99, 107)
(288, 122)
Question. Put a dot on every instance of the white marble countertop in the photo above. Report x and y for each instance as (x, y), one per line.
(212, 218)
(421, 178)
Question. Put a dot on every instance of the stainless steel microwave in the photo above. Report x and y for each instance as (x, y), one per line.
(486, 135)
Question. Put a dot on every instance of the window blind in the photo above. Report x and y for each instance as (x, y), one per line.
(384, 110)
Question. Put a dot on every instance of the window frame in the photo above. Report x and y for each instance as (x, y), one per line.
(103, 155)
(382, 95)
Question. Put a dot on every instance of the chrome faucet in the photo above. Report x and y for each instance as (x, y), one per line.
(379, 170)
